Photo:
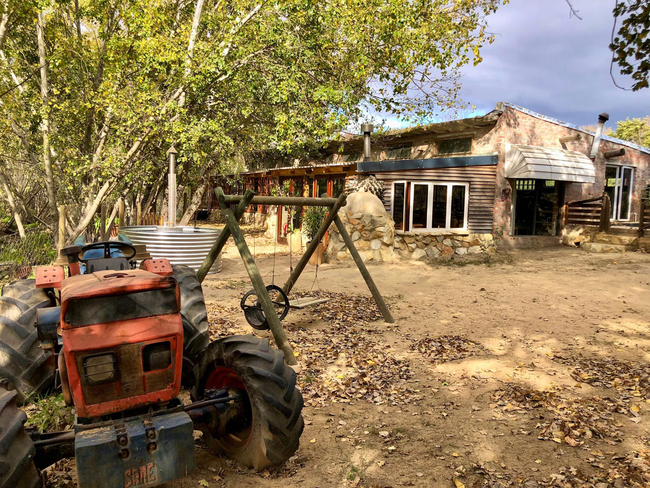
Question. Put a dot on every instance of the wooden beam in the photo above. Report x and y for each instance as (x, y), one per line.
(288, 201)
(217, 247)
(256, 278)
(364, 271)
(295, 274)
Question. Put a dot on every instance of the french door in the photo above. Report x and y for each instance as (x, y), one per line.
(618, 185)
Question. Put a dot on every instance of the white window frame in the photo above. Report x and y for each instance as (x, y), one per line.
(392, 201)
(430, 185)
(618, 194)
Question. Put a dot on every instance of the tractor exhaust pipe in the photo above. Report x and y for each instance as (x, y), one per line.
(367, 151)
(602, 118)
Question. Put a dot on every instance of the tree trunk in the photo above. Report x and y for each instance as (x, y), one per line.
(198, 9)
(45, 122)
(196, 200)
(12, 204)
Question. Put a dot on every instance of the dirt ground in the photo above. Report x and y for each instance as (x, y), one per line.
(528, 370)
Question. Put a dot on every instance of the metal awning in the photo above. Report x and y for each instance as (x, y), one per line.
(545, 163)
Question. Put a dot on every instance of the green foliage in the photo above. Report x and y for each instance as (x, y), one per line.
(312, 221)
(49, 414)
(123, 84)
(634, 130)
(37, 248)
(631, 44)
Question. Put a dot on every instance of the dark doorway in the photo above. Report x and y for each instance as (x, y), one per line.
(536, 207)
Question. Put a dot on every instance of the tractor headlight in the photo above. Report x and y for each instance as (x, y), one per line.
(100, 368)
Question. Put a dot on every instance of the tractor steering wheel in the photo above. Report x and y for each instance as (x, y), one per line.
(107, 246)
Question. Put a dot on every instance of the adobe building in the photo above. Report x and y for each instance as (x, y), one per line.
(511, 178)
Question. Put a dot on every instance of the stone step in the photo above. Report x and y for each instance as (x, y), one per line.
(618, 240)
(602, 247)
(644, 244)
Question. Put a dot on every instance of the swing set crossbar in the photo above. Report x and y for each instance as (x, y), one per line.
(285, 201)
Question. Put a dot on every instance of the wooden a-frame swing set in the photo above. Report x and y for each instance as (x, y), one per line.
(267, 305)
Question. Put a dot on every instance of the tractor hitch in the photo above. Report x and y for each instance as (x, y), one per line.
(136, 450)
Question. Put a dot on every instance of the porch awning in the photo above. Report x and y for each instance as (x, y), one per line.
(545, 163)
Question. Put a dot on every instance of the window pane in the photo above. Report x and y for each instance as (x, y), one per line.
(401, 152)
(439, 218)
(398, 205)
(626, 188)
(420, 204)
(457, 207)
(450, 146)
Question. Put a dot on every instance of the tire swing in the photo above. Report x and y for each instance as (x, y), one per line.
(250, 303)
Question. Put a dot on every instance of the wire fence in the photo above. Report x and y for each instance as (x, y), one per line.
(18, 256)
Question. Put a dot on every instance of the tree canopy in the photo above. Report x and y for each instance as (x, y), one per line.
(93, 92)
(631, 43)
(634, 130)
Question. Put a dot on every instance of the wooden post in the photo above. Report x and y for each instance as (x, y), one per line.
(642, 217)
(258, 284)
(62, 216)
(223, 237)
(605, 210)
(364, 271)
(340, 201)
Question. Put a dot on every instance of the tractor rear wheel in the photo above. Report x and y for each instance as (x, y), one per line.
(26, 366)
(269, 432)
(17, 469)
(195, 319)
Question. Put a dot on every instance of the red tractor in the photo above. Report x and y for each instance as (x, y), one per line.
(121, 342)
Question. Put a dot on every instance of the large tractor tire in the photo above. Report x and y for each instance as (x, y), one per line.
(195, 319)
(17, 469)
(26, 366)
(269, 432)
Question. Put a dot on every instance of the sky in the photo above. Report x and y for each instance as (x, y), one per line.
(551, 63)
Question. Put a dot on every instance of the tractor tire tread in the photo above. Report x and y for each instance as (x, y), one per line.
(194, 315)
(17, 451)
(271, 388)
(28, 368)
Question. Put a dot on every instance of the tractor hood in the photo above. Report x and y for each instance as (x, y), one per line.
(103, 283)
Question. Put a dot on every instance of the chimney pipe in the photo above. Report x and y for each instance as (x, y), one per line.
(367, 130)
(602, 118)
(615, 153)
(171, 188)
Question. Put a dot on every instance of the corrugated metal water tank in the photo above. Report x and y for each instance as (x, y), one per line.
(181, 245)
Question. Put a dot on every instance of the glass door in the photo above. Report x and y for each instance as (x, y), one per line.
(618, 185)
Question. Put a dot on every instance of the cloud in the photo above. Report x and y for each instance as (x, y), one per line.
(550, 63)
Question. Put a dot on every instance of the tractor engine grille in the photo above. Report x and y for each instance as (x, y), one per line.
(127, 371)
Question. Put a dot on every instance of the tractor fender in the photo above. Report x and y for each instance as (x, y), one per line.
(65, 385)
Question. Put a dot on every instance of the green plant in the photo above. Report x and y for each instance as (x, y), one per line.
(312, 221)
(48, 414)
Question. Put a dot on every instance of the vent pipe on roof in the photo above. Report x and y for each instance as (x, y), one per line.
(602, 118)
(367, 152)
(171, 184)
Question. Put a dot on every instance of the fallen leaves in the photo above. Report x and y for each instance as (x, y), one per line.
(572, 420)
(633, 378)
(448, 348)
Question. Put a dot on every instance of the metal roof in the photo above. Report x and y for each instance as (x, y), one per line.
(545, 163)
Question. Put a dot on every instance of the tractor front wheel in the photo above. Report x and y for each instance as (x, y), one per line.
(17, 469)
(268, 433)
